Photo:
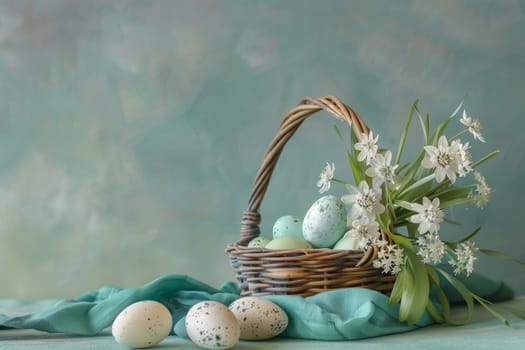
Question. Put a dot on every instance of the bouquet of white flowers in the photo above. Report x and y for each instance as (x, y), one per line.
(405, 200)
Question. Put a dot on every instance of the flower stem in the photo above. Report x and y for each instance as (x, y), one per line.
(459, 134)
(339, 181)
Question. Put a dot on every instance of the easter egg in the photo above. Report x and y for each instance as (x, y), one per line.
(259, 242)
(259, 318)
(142, 324)
(325, 222)
(288, 242)
(288, 225)
(347, 242)
(211, 325)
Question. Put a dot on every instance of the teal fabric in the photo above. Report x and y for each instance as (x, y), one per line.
(352, 313)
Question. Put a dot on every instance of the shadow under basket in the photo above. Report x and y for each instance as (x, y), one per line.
(301, 272)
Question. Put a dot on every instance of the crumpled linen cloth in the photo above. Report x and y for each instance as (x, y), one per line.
(343, 314)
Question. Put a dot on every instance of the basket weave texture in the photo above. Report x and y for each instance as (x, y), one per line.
(301, 272)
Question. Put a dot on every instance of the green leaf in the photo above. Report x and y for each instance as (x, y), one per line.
(411, 170)
(414, 298)
(427, 127)
(484, 159)
(424, 126)
(515, 312)
(452, 222)
(418, 192)
(487, 305)
(404, 242)
(475, 232)
(434, 313)
(418, 183)
(465, 293)
(445, 192)
(500, 255)
(402, 167)
(341, 138)
(441, 127)
(405, 132)
(354, 164)
(452, 196)
(399, 286)
(442, 297)
(458, 107)
(453, 202)
(412, 229)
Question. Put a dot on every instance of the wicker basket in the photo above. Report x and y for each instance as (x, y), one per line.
(302, 272)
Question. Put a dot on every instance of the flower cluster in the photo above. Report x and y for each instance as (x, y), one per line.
(447, 160)
(399, 207)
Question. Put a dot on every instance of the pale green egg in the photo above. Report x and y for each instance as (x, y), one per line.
(325, 222)
(288, 225)
(347, 243)
(259, 242)
(288, 242)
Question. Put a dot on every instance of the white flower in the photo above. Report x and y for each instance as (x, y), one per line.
(431, 248)
(481, 198)
(367, 147)
(465, 258)
(381, 170)
(390, 258)
(443, 158)
(326, 175)
(464, 158)
(364, 231)
(428, 216)
(364, 200)
(474, 126)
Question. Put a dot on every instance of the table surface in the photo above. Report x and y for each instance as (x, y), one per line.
(483, 332)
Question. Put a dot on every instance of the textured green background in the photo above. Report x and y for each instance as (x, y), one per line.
(130, 132)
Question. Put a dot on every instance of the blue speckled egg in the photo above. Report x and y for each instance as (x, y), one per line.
(259, 242)
(325, 222)
(288, 225)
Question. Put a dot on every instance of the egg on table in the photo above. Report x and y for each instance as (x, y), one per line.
(259, 318)
(142, 324)
(211, 325)
(325, 222)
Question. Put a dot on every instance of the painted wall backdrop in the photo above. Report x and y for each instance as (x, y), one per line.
(131, 131)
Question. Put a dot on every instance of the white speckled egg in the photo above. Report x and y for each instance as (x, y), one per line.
(325, 222)
(211, 325)
(288, 225)
(259, 318)
(348, 242)
(142, 324)
(259, 242)
(288, 242)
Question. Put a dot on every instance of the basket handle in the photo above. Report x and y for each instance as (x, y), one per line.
(290, 123)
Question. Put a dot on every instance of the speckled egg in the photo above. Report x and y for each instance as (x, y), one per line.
(211, 325)
(259, 242)
(325, 222)
(288, 225)
(142, 324)
(347, 242)
(259, 318)
(288, 242)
